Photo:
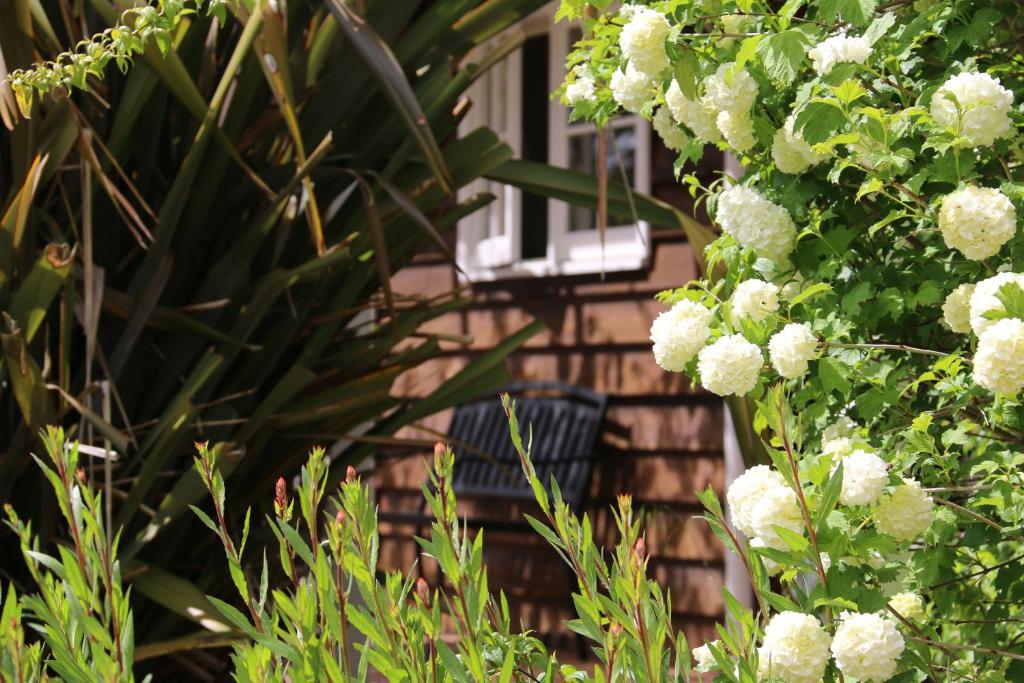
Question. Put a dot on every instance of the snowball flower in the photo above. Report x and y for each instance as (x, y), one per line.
(999, 360)
(985, 298)
(755, 299)
(983, 104)
(977, 221)
(778, 506)
(674, 138)
(729, 366)
(956, 309)
(839, 447)
(843, 426)
(756, 223)
(728, 91)
(864, 478)
(582, 89)
(867, 647)
(703, 657)
(837, 50)
(791, 152)
(698, 116)
(631, 88)
(643, 40)
(745, 494)
(737, 128)
(908, 605)
(791, 348)
(906, 513)
(678, 334)
(795, 649)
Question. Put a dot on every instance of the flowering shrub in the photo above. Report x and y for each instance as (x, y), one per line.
(866, 296)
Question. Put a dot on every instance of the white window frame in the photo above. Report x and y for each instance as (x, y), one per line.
(489, 241)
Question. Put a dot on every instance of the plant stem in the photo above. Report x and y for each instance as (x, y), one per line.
(888, 346)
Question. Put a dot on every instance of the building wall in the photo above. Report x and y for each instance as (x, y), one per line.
(662, 438)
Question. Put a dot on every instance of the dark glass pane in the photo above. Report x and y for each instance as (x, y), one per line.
(583, 158)
(534, 208)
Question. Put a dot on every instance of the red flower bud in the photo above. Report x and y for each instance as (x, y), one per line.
(640, 549)
(616, 628)
(339, 518)
(350, 474)
(423, 590)
(81, 476)
(280, 496)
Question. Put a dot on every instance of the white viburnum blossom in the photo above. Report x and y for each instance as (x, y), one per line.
(777, 507)
(679, 333)
(728, 91)
(795, 649)
(643, 40)
(631, 88)
(985, 299)
(843, 426)
(703, 657)
(699, 117)
(757, 223)
(864, 478)
(867, 647)
(737, 128)
(976, 106)
(754, 299)
(838, 50)
(791, 348)
(839, 447)
(956, 309)
(906, 513)
(582, 89)
(729, 366)
(999, 359)
(977, 221)
(908, 605)
(790, 151)
(745, 493)
(673, 137)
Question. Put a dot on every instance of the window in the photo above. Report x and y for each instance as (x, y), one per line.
(522, 234)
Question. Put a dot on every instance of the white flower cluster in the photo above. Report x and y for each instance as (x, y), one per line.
(864, 478)
(867, 647)
(976, 106)
(724, 110)
(698, 116)
(791, 152)
(908, 605)
(704, 658)
(760, 499)
(795, 649)
(791, 348)
(679, 333)
(755, 299)
(843, 426)
(906, 513)
(757, 223)
(631, 88)
(729, 366)
(999, 360)
(643, 40)
(582, 89)
(956, 309)
(670, 133)
(837, 50)
(840, 447)
(985, 299)
(977, 221)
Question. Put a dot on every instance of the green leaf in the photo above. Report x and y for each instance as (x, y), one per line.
(818, 120)
(783, 54)
(833, 376)
(858, 12)
(382, 64)
(830, 494)
(687, 72)
(814, 290)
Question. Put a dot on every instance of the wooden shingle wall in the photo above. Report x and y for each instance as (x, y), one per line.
(662, 438)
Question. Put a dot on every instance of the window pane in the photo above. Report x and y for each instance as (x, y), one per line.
(535, 89)
(583, 158)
